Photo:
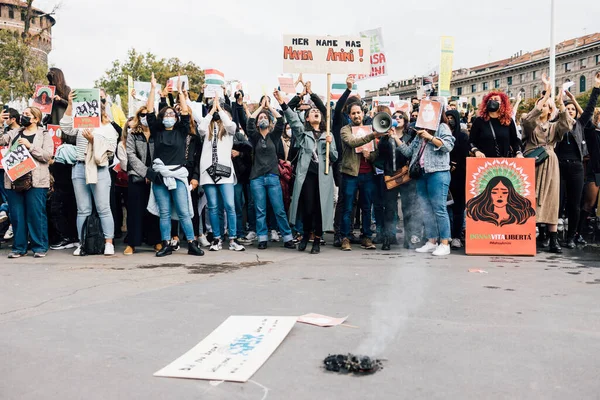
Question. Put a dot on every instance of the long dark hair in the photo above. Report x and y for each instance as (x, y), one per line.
(57, 78)
(481, 207)
(308, 127)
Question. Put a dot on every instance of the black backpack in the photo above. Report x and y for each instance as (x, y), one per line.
(92, 241)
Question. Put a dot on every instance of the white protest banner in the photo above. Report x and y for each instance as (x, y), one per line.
(393, 102)
(17, 162)
(286, 84)
(378, 61)
(87, 108)
(232, 352)
(214, 80)
(326, 54)
(172, 83)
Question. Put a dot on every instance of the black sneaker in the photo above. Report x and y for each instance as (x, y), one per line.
(64, 244)
(337, 241)
(290, 245)
(194, 249)
(262, 245)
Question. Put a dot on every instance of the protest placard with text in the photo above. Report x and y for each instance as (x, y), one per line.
(378, 60)
(55, 132)
(214, 80)
(86, 108)
(362, 131)
(17, 162)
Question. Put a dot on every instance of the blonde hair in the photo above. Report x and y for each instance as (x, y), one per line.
(596, 117)
(37, 113)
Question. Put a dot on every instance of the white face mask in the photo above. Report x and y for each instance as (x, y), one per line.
(144, 121)
(288, 132)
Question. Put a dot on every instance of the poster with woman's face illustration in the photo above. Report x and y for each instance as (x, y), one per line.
(500, 206)
(43, 98)
(429, 115)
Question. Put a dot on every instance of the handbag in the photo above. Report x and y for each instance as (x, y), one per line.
(23, 183)
(400, 177)
(539, 154)
(217, 171)
(415, 170)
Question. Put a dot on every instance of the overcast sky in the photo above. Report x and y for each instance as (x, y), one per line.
(243, 38)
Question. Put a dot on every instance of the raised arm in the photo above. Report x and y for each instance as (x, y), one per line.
(182, 103)
(66, 122)
(316, 99)
(587, 114)
(150, 102)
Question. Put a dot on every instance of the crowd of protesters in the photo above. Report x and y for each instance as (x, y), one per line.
(210, 171)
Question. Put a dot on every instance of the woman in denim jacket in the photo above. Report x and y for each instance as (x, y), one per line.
(432, 186)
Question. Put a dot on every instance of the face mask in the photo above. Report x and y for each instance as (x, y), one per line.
(492, 106)
(288, 132)
(413, 120)
(144, 121)
(452, 124)
(169, 122)
(5, 125)
(103, 101)
(25, 121)
(263, 124)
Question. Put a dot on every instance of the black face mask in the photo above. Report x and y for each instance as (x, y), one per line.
(412, 120)
(103, 101)
(452, 124)
(492, 106)
(25, 121)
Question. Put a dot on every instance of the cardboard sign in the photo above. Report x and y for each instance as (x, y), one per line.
(361, 131)
(500, 206)
(378, 61)
(430, 113)
(326, 54)
(394, 103)
(321, 320)
(43, 98)
(286, 84)
(18, 162)
(338, 89)
(232, 352)
(55, 132)
(214, 80)
(172, 83)
(86, 106)
(447, 44)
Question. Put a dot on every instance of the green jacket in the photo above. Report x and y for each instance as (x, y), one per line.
(350, 158)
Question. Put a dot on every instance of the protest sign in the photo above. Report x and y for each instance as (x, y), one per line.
(378, 60)
(500, 196)
(429, 115)
(393, 102)
(86, 107)
(3, 150)
(361, 131)
(338, 89)
(232, 352)
(447, 44)
(286, 84)
(55, 132)
(326, 54)
(214, 80)
(17, 162)
(43, 98)
(172, 83)
(321, 320)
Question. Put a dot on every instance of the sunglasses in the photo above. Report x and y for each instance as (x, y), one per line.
(142, 115)
(170, 114)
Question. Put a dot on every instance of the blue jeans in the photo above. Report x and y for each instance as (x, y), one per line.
(179, 195)
(100, 193)
(239, 209)
(432, 190)
(263, 187)
(228, 196)
(28, 218)
(350, 185)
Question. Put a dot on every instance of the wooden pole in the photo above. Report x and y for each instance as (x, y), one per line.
(328, 123)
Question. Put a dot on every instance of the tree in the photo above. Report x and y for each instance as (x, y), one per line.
(18, 67)
(140, 67)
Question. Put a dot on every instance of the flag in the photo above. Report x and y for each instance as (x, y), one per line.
(338, 89)
(214, 79)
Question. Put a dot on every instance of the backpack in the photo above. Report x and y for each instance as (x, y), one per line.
(92, 241)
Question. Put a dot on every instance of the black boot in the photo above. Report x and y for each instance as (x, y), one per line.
(166, 250)
(194, 249)
(303, 243)
(337, 240)
(554, 245)
(316, 247)
(543, 238)
(570, 243)
(386, 243)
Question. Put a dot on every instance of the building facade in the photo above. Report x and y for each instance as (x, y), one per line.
(12, 17)
(577, 61)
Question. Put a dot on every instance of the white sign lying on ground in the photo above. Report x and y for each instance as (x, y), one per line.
(321, 320)
(232, 352)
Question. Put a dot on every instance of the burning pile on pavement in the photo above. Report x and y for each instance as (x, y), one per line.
(352, 364)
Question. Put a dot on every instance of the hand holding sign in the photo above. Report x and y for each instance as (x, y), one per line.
(277, 96)
(25, 143)
(350, 82)
(546, 82)
(88, 134)
(72, 95)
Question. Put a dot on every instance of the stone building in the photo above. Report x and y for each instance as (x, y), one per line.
(577, 61)
(12, 17)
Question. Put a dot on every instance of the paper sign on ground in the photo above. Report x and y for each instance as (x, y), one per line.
(500, 194)
(286, 85)
(232, 352)
(86, 106)
(214, 80)
(338, 89)
(361, 131)
(326, 54)
(321, 320)
(55, 132)
(43, 98)
(429, 115)
(172, 83)
(378, 61)
(447, 57)
(18, 162)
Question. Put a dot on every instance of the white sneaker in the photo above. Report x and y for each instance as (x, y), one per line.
(9, 233)
(3, 216)
(274, 236)
(77, 251)
(203, 242)
(216, 245)
(427, 248)
(456, 244)
(561, 225)
(235, 246)
(109, 249)
(442, 250)
(251, 236)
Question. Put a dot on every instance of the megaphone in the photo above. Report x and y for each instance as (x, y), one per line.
(382, 122)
